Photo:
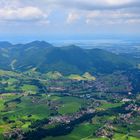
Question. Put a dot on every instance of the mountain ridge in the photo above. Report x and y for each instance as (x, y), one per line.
(45, 57)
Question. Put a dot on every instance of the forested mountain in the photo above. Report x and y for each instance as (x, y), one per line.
(44, 57)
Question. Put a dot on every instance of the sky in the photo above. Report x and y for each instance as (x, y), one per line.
(25, 20)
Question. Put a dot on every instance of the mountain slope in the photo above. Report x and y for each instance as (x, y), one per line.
(44, 57)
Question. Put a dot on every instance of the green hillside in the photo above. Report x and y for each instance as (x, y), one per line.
(44, 57)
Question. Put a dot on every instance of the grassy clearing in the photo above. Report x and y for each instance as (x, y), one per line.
(29, 88)
(80, 132)
(119, 136)
(8, 73)
(70, 105)
(28, 108)
(11, 80)
(75, 77)
(106, 105)
(85, 76)
(69, 108)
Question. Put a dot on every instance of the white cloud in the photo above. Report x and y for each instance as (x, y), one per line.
(119, 2)
(24, 10)
(108, 11)
(112, 17)
(24, 13)
(93, 14)
(95, 4)
(72, 17)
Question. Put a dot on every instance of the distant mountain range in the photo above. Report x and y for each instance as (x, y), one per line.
(44, 57)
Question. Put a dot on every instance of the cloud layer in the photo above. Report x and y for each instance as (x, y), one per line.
(96, 4)
(55, 16)
(35, 10)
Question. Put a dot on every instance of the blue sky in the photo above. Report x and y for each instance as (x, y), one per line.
(25, 20)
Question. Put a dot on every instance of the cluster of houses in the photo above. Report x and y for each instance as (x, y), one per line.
(105, 131)
(68, 118)
(133, 107)
(15, 133)
(131, 110)
(107, 84)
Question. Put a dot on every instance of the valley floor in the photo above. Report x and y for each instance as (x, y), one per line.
(54, 117)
